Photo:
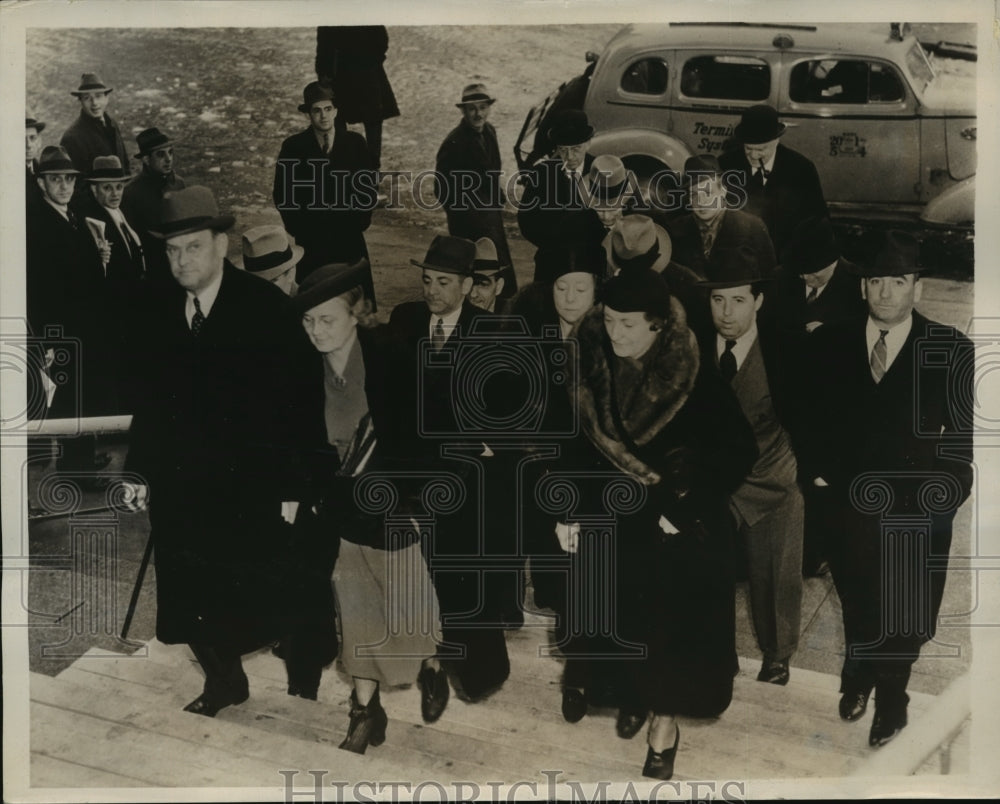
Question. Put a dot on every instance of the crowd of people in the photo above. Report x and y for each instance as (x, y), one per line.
(674, 403)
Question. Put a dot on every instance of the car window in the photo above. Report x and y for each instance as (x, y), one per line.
(844, 81)
(726, 77)
(646, 77)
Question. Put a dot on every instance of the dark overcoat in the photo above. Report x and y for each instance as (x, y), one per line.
(551, 203)
(352, 57)
(792, 194)
(219, 435)
(738, 228)
(141, 203)
(839, 302)
(88, 138)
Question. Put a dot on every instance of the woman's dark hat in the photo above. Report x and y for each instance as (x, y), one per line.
(759, 124)
(899, 255)
(639, 290)
(552, 263)
(570, 127)
(452, 255)
(812, 247)
(151, 139)
(55, 159)
(189, 210)
(38, 125)
(476, 93)
(107, 168)
(89, 82)
(733, 267)
(329, 281)
(313, 93)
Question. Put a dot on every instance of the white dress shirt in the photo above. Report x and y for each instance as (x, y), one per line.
(742, 347)
(449, 323)
(206, 298)
(894, 340)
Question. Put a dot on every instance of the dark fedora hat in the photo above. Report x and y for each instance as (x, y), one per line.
(759, 124)
(700, 166)
(570, 127)
(267, 251)
(733, 267)
(638, 290)
(89, 82)
(107, 168)
(54, 159)
(585, 257)
(475, 93)
(452, 255)
(898, 255)
(812, 247)
(38, 125)
(151, 139)
(315, 92)
(189, 210)
(329, 281)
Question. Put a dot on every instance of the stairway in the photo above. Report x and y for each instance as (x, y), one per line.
(111, 720)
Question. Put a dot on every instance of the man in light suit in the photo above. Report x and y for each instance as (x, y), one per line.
(768, 505)
(893, 399)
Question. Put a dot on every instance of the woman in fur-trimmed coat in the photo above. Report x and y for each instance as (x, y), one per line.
(664, 442)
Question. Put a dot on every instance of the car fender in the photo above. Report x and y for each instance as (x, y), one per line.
(645, 146)
(956, 206)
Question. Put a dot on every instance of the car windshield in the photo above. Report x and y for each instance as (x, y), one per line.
(918, 65)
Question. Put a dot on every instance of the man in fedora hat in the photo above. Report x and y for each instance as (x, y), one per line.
(770, 180)
(426, 420)
(227, 408)
(487, 277)
(759, 365)
(893, 442)
(125, 263)
(468, 179)
(711, 224)
(94, 133)
(325, 185)
(144, 194)
(269, 254)
(32, 147)
(554, 189)
(65, 289)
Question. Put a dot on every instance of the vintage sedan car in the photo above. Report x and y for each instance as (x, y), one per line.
(892, 136)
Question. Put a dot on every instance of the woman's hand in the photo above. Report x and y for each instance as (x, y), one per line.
(568, 535)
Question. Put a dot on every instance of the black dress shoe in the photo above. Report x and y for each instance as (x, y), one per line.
(661, 765)
(853, 705)
(211, 705)
(574, 705)
(886, 725)
(367, 725)
(629, 722)
(303, 692)
(774, 672)
(434, 693)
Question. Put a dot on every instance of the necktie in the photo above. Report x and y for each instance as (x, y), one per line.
(879, 356)
(198, 318)
(71, 217)
(437, 339)
(708, 241)
(326, 142)
(727, 362)
(811, 296)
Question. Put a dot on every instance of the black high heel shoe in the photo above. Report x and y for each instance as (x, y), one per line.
(661, 765)
(367, 725)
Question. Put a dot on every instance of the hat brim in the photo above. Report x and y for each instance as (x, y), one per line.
(148, 151)
(220, 223)
(663, 242)
(733, 283)
(739, 131)
(304, 300)
(445, 269)
(101, 179)
(277, 270)
(578, 140)
(872, 271)
(76, 93)
(38, 126)
(464, 103)
(42, 171)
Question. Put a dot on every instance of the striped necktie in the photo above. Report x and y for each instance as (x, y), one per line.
(437, 337)
(878, 359)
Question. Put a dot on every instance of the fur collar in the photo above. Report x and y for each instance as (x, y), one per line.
(668, 374)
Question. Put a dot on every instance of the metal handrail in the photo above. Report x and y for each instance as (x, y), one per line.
(92, 425)
(934, 732)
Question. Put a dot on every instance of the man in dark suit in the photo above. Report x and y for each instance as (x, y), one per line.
(66, 290)
(32, 146)
(554, 194)
(711, 224)
(143, 196)
(428, 419)
(768, 506)
(469, 183)
(815, 287)
(771, 181)
(325, 187)
(94, 133)
(230, 402)
(893, 399)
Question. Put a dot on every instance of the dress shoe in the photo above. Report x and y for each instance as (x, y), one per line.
(853, 705)
(367, 725)
(886, 725)
(303, 692)
(211, 705)
(774, 672)
(629, 722)
(661, 765)
(574, 705)
(434, 691)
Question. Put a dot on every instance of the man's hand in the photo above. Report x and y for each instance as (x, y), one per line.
(135, 496)
(568, 535)
(104, 249)
(288, 511)
(813, 325)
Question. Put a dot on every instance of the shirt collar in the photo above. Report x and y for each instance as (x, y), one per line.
(895, 337)
(62, 209)
(449, 321)
(743, 344)
(206, 296)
